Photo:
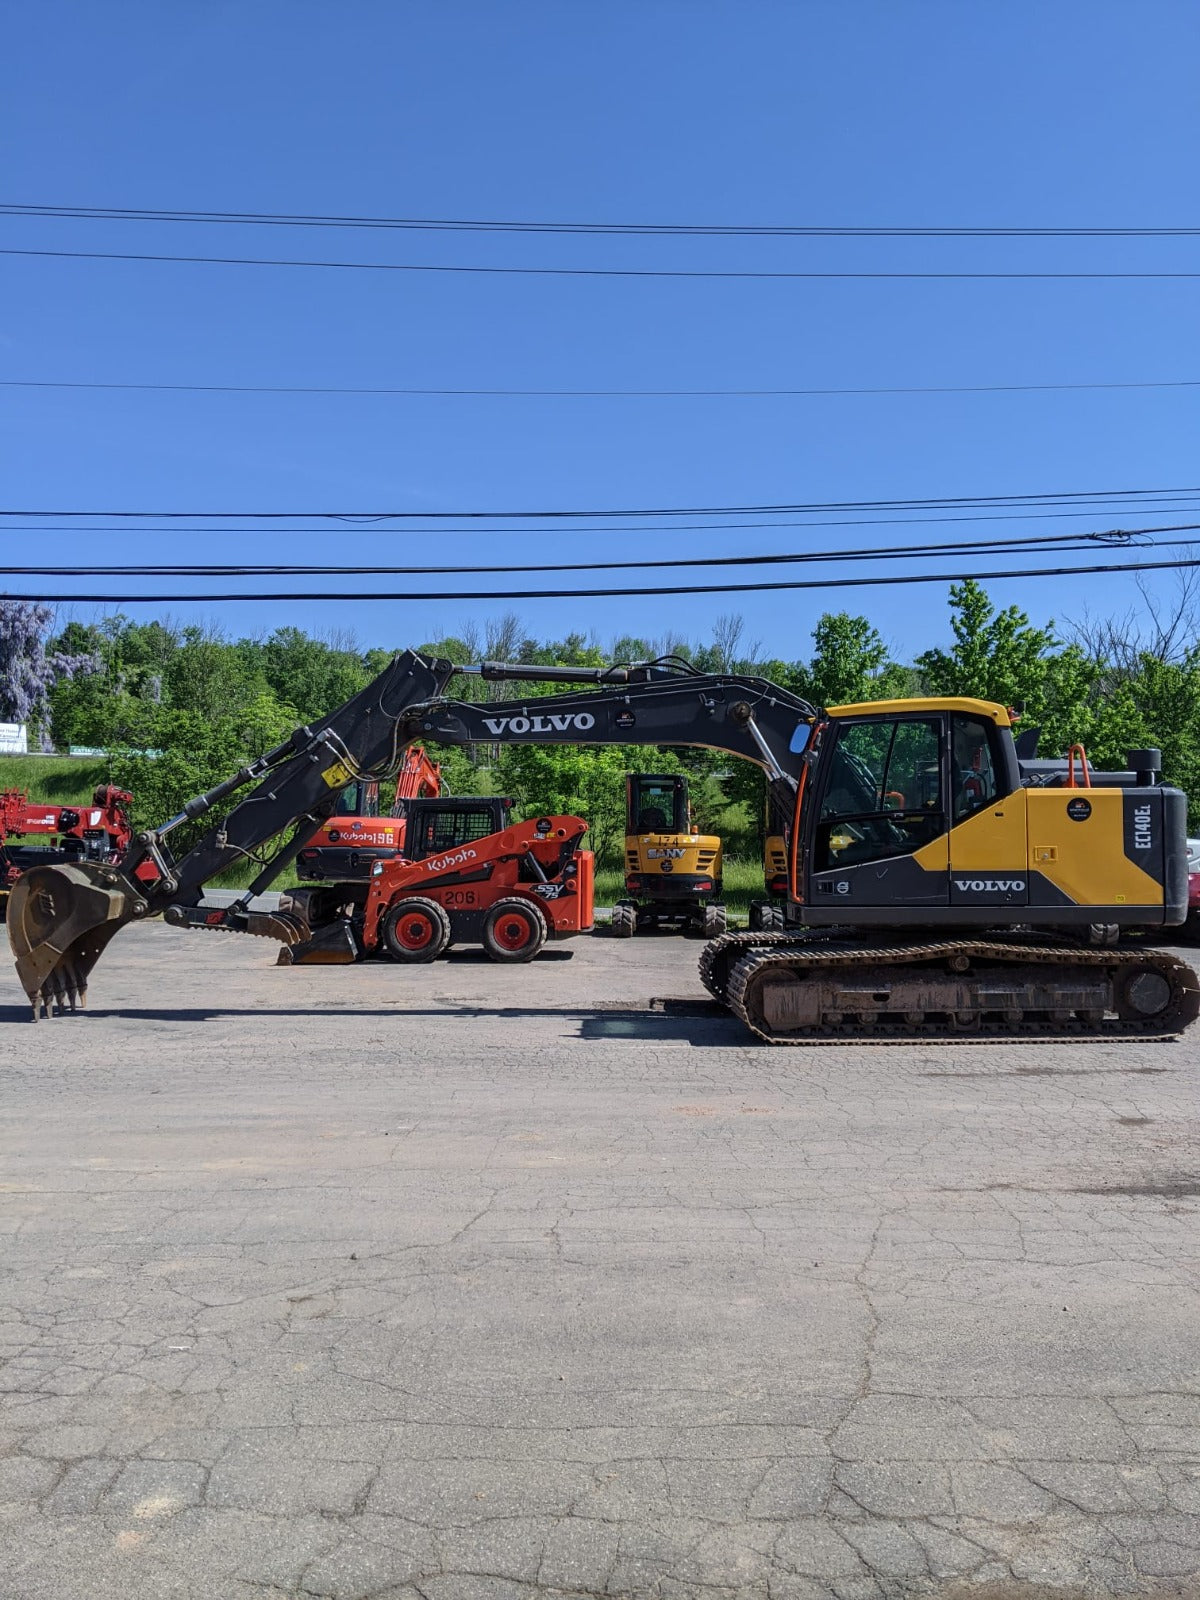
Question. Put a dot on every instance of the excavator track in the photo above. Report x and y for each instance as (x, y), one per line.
(721, 955)
(811, 989)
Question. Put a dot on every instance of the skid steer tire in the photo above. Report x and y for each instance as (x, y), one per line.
(514, 930)
(771, 919)
(624, 920)
(415, 929)
(715, 922)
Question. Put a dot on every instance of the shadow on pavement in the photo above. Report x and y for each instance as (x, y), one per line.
(475, 955)
(691, 1022)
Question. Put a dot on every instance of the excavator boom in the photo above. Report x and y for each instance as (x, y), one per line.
(644, 703)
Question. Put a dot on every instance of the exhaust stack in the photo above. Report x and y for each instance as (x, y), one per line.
(60, 919)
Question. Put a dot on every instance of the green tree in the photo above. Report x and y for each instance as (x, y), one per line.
(630, 648)
(314, 676)
(181, 753)
(210, 676)
(104, 709)
(1165, 699)
(997, 655)
(851, 662)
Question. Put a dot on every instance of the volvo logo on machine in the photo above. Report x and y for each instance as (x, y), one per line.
(555, 722)
(990, 885)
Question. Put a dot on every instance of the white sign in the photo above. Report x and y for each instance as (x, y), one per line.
(14, 741)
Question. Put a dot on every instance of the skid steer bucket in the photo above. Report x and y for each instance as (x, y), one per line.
(60, 918)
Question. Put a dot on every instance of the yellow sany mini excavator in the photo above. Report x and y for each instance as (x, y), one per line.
(937, 882)
(672, 871)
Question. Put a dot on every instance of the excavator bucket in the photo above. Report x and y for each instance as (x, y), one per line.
(60, 918)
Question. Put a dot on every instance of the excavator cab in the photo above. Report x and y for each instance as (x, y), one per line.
(672, 873)
(353, 839)
(922, 813)
(359, 799)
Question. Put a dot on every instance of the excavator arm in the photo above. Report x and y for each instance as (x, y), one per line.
(61, 918)
(417, 779)
(645, 703)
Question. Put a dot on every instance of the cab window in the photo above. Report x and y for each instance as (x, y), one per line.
(447, 829)
(656, 807)
(358, 800)
(884, 792)
(973, 782)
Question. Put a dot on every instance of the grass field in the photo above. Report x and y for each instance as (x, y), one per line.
(58, 780)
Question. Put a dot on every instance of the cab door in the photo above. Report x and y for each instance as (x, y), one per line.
(988, 849)
(879, 841)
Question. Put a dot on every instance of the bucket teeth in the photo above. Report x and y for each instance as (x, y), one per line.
(285, 926)
(61, 990)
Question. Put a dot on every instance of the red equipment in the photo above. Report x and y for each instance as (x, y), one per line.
(356, 836)
(1191, 927)
(509, 891)
(99, 832)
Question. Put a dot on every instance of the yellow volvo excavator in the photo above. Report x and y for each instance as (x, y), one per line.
(938, 882)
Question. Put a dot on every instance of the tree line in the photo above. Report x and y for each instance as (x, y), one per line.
(180, 707)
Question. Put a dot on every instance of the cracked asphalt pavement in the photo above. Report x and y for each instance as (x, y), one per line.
(473, 1281)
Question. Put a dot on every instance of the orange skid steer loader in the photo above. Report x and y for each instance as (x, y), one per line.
(469, 879)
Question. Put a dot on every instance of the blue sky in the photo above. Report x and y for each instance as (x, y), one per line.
(645, 111)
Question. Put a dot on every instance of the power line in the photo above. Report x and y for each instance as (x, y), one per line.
(1144, 507)
(1047, 497)
(655, 229)
(1046, 542)
(594, 394)
(580, 272)
(590, 594)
